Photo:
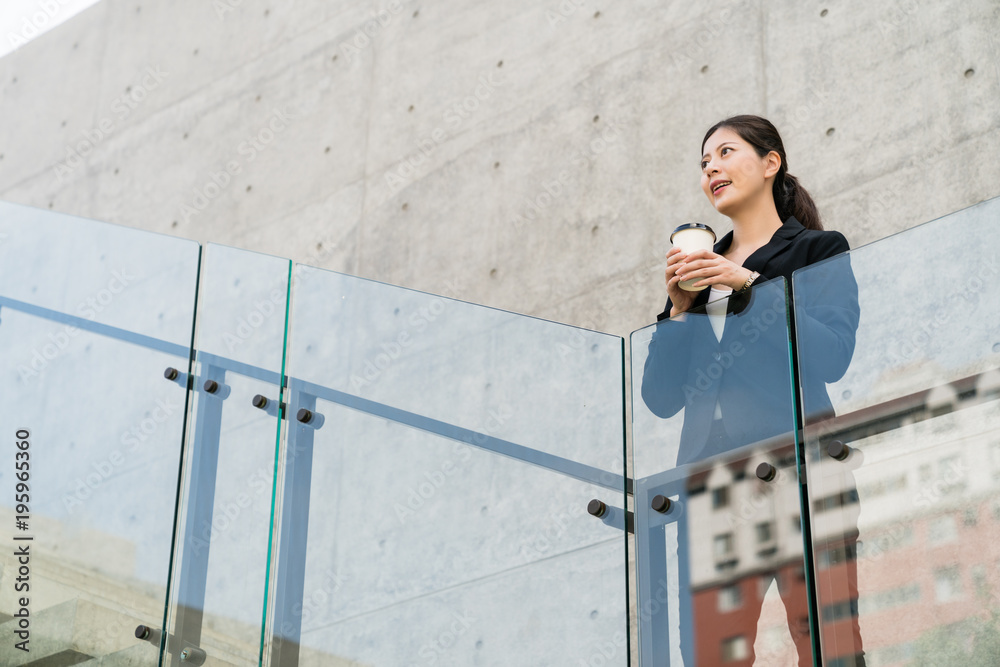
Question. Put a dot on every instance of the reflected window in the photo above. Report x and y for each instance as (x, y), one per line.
(836, 500)
(890, 598)
(979, 582)
(835, 555)
(797, 523)
(942, 529)
(720, 497)
(884, 485)
(838, 611)
(951, 471)
(764, 583)
(724, 545)
(941, 410)
(891, 654)
(765, 533)
(899, 535)
(734, 648)
(947, 583)
(730, 598)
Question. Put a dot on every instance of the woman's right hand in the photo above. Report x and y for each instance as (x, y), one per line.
(680, 300)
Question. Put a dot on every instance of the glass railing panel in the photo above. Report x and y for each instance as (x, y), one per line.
(221, 568)
(902, 455)
(374, 339)
(721, 572)
(435, 506)
(91, 315)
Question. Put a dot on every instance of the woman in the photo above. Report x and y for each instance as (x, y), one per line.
(776, 230)
(726, 360)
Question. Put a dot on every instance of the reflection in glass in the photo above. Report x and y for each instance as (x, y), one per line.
(226, 503)
(714, 408)
(438, 482)
(91, 315)
(908, 508)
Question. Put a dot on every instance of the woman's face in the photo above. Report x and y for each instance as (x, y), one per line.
(732, 174)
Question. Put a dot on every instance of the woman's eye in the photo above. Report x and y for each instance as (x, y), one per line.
(723, 151)
(703, 163)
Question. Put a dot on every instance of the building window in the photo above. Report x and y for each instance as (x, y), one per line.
(730, 598)
(764, 583)
(979, 582)
(942, 529)
(836, 555)
(720, 497)
(951, 470)
(734, 648)
(764, 533)
(836, 500)
(723, 545)
(889, 599)
(839, 611)
(947, 583)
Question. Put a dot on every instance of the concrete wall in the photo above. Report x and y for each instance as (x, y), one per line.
(375, 157)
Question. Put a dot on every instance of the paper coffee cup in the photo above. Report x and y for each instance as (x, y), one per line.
(690, 237)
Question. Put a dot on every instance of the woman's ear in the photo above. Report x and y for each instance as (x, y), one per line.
(772, 163)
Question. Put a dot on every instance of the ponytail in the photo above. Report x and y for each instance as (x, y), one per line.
(790, 198)
(793, 200)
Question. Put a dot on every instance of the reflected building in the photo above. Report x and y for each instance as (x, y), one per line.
(920, 522)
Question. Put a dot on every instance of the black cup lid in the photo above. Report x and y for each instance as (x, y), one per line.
(694, 225)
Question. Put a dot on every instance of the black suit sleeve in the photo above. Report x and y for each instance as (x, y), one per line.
(666, 364)
(826, 311)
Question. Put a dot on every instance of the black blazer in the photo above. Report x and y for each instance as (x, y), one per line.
(748, 373)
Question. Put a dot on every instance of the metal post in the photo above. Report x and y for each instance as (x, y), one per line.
(197, 541)
(289, 589)
(651, 560)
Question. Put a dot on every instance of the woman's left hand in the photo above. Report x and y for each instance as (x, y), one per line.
(712, 269)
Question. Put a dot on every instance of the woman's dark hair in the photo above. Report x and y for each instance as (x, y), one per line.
(790, 198)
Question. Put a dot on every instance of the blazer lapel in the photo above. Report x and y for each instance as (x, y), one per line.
(780, 240)
(758, 261)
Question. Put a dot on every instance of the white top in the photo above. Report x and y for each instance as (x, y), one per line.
(716, 309)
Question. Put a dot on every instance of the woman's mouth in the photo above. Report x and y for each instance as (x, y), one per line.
(718, 188)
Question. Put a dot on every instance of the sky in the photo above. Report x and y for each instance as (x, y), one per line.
(23, 20)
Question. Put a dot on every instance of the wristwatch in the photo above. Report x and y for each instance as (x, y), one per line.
(753, 276)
